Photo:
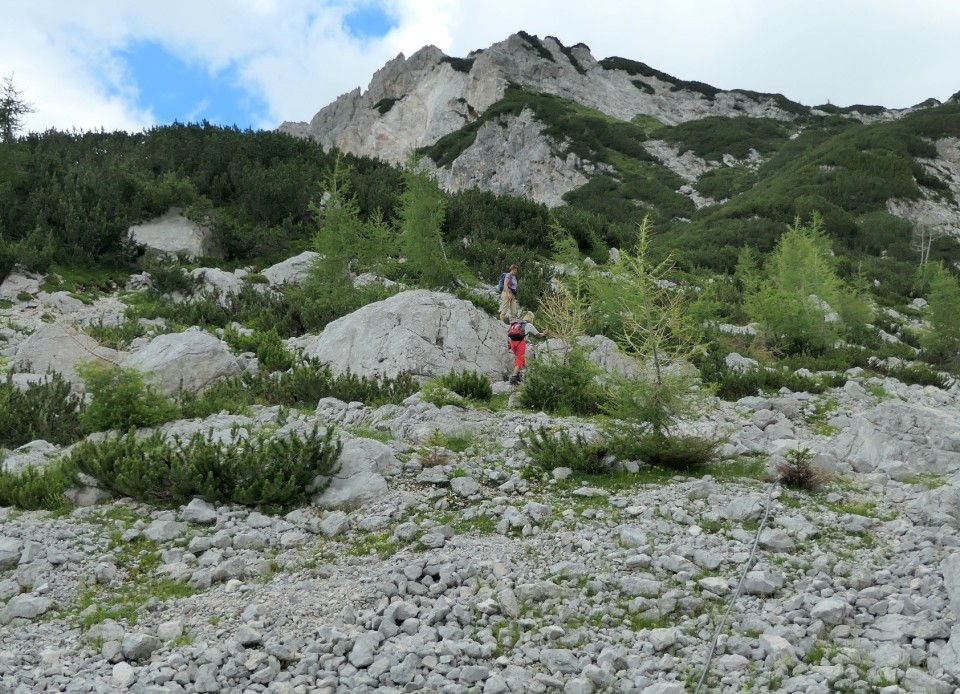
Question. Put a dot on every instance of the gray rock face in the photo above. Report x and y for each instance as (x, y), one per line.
(139, 646)
(425, 333)
(10, 550)
(188, 361)
(198, 511)
(19, 283)
(24, 607)
(174, 234)
(528, 165)
(54, 347)
(428, 98)
(363, 462)
(291, 271)
(918, 439)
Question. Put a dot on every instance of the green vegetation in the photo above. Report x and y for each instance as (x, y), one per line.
(120, 399)
(796, 471)
(471, 385)
(249, 468)
(33, 488)
(562, 385)
(46, 410)
(710, 138)
(558, 449)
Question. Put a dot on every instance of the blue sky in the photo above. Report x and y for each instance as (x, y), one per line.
(256, 63)
(188, 91)
(177, 90)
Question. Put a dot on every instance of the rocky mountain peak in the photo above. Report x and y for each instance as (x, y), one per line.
(413, 102)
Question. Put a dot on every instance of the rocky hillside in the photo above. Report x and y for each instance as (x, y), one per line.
(480, 124)
(442, 558)
(413, 102)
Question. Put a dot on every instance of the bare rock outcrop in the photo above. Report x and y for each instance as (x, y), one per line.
(424, 333)
(413, 102)
(174, 234)
(188, 361)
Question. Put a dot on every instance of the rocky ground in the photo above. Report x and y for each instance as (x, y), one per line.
(474, 573)
(441, 559)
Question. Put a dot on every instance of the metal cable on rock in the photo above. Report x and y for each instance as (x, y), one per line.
(736, 593)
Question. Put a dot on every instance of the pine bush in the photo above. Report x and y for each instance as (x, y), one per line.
(36, 488)
(256, 470)
(562, 386)
(468, 384)
(47, 410)
(121, 399)
(552, 450)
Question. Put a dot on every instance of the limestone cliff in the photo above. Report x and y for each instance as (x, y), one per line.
(412, 102)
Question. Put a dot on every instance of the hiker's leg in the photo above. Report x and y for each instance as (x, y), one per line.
(505, 307)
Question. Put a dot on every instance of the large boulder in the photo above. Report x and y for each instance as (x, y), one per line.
(53, 347)
(17, 283)
(185, 362)
(292, 270)
(905, 438)
(174, 234)
(421, 332)
(363, 463)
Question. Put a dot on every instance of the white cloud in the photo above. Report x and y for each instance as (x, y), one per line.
(296, 54)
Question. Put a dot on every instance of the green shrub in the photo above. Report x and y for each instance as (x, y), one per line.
(47, 410)
(436, 393)
(558, 449)
(302, 386)
(120, 399)
(484, 302)
(917, 373)
(562, 386)
(672, 451)
(272, 354)
(36, 488)
(468, 384)
(257, 470)
(117, 336)
(796, 471)
(168, 276)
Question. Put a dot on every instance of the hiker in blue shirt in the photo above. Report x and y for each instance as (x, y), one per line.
(508, 295)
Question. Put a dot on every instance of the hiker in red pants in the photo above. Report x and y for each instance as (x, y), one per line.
(518, 332)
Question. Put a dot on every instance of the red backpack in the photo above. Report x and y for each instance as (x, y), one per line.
(517, 330)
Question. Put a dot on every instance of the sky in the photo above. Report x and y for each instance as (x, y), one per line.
(133, 64)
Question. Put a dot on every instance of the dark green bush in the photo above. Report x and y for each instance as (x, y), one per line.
(302, 386)
(167, 275)
(46, 410)
(272, 354)
(916, 373)
(733, 385)
(796, 471)
(558, 449)
(562, 386)
(274, 473)
(117, 335)
(120, 399)
(34, 488)
(468, 384)
(675, 452)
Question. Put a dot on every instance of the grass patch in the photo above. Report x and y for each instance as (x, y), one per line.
(98, 604)
(382, 544)
(746, 466)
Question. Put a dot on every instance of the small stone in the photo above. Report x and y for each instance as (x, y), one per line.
(247, 636)
(123, 675)
(139, 646)
(199, 511)
(465, 487)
